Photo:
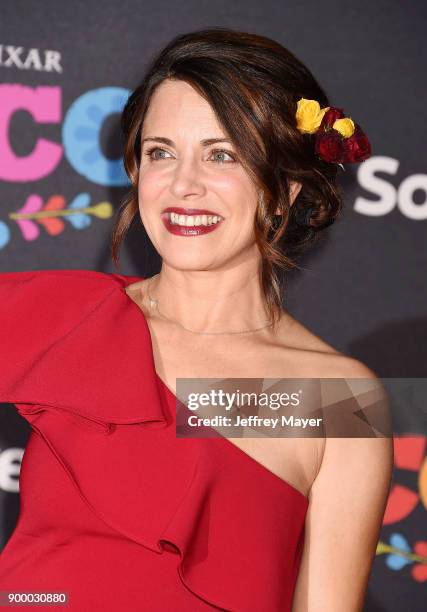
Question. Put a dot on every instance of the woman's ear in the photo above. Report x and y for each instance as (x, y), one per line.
(294, 190)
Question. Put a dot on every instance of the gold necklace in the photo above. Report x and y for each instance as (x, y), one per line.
(155, 304)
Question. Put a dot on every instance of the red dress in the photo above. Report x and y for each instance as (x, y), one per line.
(115, 509)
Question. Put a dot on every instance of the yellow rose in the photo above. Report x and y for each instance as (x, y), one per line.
(344, 126)
(309, 115)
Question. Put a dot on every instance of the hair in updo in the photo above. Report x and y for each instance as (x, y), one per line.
(253, 84)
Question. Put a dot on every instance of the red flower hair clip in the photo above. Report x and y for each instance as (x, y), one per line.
(337, 138)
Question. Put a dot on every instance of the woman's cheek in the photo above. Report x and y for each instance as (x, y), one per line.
(150, 175)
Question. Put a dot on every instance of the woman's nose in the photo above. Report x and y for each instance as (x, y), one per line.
(187, 178)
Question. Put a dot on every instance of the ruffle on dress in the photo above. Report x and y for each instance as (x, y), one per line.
(77, 361)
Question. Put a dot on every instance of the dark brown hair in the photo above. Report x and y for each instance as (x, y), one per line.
(253, 85)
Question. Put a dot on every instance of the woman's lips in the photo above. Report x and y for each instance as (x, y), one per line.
(190, 211)
(189, 230)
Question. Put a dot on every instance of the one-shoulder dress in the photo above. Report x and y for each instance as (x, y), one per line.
(116, 510)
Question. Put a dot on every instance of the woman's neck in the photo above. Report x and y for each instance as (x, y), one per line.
(209, 301)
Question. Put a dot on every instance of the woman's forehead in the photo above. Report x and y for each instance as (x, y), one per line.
(177, 101)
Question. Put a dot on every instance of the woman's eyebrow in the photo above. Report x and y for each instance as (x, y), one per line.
(205, 143)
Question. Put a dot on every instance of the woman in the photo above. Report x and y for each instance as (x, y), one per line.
(233, 169)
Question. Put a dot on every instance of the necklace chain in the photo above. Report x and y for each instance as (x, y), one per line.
(155, 304)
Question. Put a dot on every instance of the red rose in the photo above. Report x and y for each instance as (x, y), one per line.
(329, 146)
(357, 148)
(330, 117)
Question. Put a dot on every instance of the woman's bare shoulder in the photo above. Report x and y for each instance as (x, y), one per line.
(318, 355)
(136, 286)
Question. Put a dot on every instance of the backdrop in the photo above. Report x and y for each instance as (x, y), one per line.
(66, 70)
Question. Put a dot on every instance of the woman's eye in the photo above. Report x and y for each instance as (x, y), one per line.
(153, 150)
(222, 152)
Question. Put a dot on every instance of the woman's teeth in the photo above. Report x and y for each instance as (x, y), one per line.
(193, 220)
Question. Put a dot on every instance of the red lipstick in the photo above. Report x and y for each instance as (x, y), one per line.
(190, 211)
(203, 221)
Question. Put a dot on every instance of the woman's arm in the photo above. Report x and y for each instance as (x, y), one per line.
(344, 519)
